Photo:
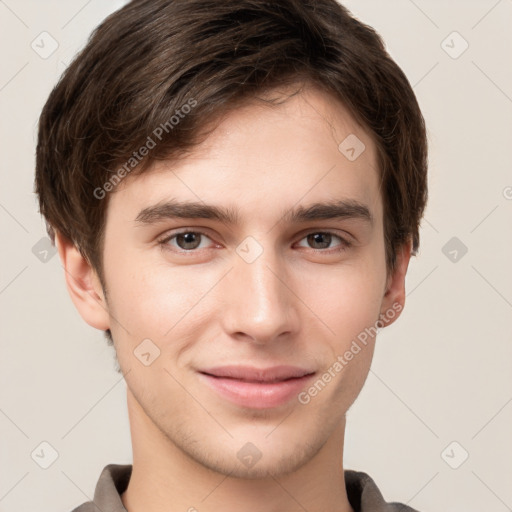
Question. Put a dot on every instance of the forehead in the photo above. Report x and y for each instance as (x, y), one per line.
(263, 156)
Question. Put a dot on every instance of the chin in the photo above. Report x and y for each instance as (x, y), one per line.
(254, 459)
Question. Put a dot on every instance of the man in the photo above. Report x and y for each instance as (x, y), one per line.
(235, 190)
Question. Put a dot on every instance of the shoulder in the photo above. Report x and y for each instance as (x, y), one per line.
(86, 507)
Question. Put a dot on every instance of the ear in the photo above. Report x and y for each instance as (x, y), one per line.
(394, 295)
(83, 284)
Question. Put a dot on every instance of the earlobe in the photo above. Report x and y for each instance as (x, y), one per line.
(394, 296)
(83, 284)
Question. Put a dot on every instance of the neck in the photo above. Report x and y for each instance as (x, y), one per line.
(164, 478)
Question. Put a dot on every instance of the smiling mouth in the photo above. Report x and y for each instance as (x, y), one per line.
(256, 381)
(251, 373)
(255, 388)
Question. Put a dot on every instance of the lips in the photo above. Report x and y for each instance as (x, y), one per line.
(256, 388)
(251, 374)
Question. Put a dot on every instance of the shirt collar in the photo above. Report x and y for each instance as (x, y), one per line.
(362, 492)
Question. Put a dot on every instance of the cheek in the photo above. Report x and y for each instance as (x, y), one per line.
(349, 306)
(349, 300)
(155, 301)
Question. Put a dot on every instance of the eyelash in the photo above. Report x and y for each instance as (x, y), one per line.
(164, 242)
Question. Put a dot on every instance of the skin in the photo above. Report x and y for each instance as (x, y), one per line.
(299, 303)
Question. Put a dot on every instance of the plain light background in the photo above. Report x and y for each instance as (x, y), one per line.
(440, 388)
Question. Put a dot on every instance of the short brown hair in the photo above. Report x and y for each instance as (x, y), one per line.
(150, 59)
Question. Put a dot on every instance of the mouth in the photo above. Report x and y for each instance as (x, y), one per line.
(257, 388)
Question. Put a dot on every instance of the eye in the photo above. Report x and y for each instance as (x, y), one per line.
(188, 241)
(184, 241)
(323, 239)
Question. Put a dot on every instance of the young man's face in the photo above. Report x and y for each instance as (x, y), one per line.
(262, 291)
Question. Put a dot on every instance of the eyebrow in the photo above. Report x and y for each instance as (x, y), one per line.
(174, 209)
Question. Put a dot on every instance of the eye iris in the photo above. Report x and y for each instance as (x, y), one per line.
(317, 237)
(188, 239)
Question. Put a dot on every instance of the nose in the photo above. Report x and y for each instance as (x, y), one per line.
(259, 299)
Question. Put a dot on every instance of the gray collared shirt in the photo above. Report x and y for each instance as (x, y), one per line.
(362, 492)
